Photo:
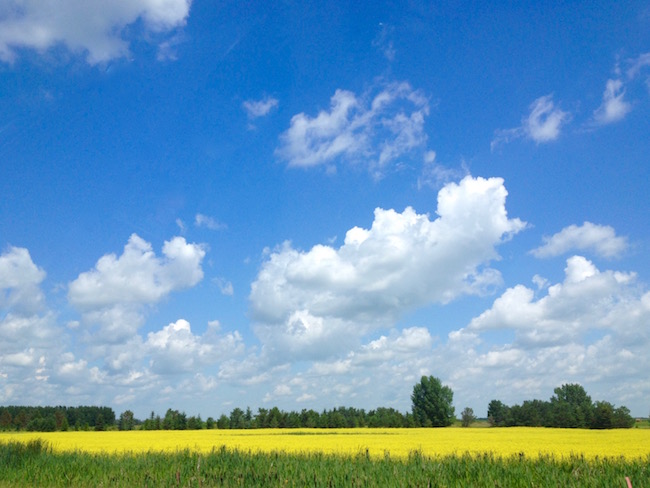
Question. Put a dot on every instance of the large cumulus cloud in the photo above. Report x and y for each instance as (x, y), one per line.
(114, 293)
(327, 298)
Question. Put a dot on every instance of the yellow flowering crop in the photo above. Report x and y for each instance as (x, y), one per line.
(396, 443)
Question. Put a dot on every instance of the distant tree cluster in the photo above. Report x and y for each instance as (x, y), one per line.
(50, 419)
(340, 417)
(432, 406)
(570, 407)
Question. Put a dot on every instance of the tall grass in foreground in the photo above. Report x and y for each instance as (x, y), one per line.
(35, 464)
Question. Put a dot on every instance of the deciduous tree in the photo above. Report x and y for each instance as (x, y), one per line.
(432, 403)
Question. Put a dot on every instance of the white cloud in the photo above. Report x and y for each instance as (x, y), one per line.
(545, 120)
(543, 124)
(613, 108)
(590, 329)
(600, 239)
(138, 275)
(19, 332)
(93, 27)
(327, 298)
(26, 326)
(28, 330)
(281, 390)
(175, 349)
(638, 64)
(384, 42)
(436, 175)
(225, 286)
(259, 108)
(181, 226)
(20, 281)
(399, 358)
(113, 292)
(378, 130)
(208, 222)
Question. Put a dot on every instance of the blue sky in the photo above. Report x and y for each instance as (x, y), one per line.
(209, 205)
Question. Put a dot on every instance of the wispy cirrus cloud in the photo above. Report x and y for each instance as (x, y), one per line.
(613, 107)
(259, 108)
(542, 124)
(202, 220)
(638, 64)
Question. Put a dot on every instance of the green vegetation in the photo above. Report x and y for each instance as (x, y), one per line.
(433, 403)
(34, 464)
(467, 417)
(432, 406)
(50, 419)
(570, 407)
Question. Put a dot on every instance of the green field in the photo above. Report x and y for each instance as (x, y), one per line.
(36, 464)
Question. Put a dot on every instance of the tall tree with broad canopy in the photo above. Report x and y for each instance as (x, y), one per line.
(571, 407)
(432, 403)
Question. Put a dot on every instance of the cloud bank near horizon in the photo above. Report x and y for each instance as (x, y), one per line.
(336, 312)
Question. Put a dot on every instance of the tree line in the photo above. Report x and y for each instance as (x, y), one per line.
(50, 419)
(432, 406)
(340, 417)
(570, 407)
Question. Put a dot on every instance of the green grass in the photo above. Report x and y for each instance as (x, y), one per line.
(34, 464)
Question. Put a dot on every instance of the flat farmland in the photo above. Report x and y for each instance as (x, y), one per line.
(376, 443)
(449, 457)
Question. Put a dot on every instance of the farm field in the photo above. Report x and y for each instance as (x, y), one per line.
(325, 459)
(377, 443)
(27, 460)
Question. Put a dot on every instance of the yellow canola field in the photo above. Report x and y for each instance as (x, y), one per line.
(396, 443)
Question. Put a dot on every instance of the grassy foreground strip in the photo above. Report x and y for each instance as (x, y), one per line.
(35, 464)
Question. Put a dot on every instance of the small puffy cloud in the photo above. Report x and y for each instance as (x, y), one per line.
(259, 108)
(410, 341)
(20, 281)
(69, 371)
(113, 292)
(378, 129)
(138, 275)
(281, 390)
(599, 239)
(543, 123)
(208, 222)
(327, 296)
(545, 120)
(614, 107)
(175, 349)
(93, 27)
